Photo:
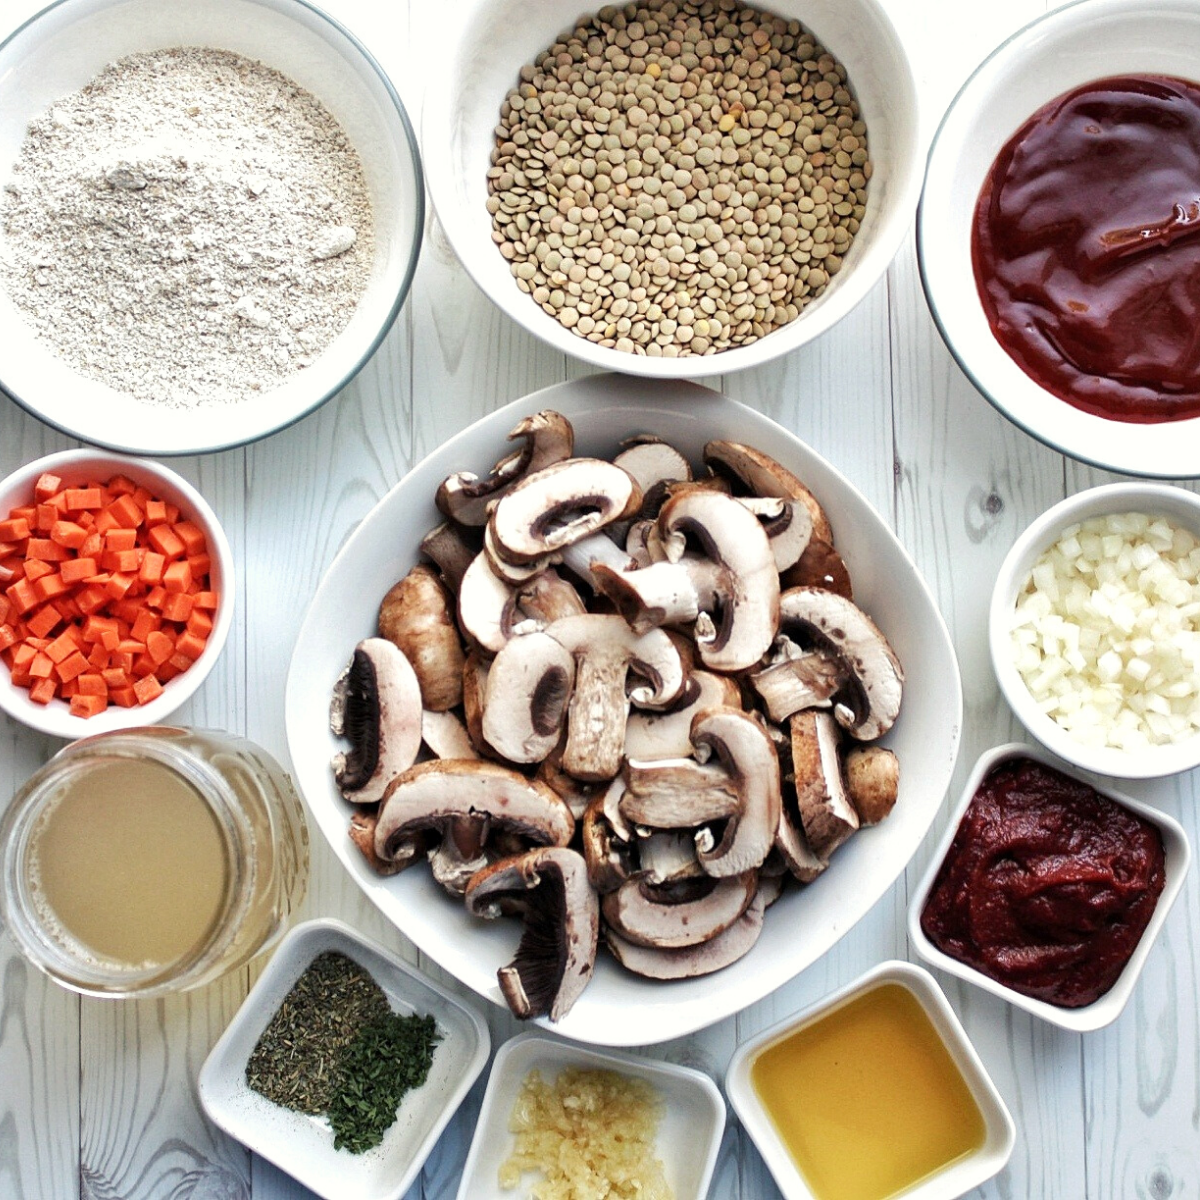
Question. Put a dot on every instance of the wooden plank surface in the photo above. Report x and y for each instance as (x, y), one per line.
(97, 1099)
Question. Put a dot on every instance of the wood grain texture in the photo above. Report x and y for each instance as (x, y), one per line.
(98, 1100)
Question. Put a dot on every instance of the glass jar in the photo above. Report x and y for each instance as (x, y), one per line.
(152, 860)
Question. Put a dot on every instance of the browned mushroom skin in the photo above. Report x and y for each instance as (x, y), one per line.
(417, 615)
(872, 782)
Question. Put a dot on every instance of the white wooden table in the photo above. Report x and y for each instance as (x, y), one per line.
(97, 1099)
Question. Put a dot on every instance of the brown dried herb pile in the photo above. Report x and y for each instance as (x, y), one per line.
(335, 1047)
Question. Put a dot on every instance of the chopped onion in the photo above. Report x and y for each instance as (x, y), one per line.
(1106, 632)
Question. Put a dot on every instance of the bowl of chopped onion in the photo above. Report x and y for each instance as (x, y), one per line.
(1095, 629)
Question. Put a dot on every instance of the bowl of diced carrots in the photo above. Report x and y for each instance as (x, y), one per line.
(116, 592)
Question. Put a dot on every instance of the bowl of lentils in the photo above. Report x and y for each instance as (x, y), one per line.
(210, 215)
(674, 188)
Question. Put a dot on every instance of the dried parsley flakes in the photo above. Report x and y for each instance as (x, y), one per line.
(335, 1047)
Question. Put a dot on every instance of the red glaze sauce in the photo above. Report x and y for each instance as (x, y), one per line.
(1085, 249)
(1047, 886)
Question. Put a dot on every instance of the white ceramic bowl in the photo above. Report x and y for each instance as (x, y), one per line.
(689, 1134)
(301, 1144)
(1068, 47)
(956, 1179)
(67, 45)
(1108, 1007)
(76, 467)
(495, 38)
(618, 1008)
(1182, 508)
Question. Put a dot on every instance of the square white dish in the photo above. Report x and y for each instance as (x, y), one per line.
(689, 1134)
(302, 1145)
(953, 1180)
(1108, 1007)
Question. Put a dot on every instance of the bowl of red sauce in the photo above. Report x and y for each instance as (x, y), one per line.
(1058, 234)
(1048, 890)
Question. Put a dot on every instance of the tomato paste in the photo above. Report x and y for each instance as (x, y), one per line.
(1047, 886)
(1085, 248)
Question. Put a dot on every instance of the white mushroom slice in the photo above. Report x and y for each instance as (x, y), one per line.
(376, 706)
(872, 782)
(677, 793)
(514, 573)
(739, 633)
(475, 673)
(583, 556)
(577, 794)
(560, 911)
(664, 593)
(452, 548)
(558, 505)
(651, 735)
(609, 858)
(667, 855)
(546, 598)
(548, 438)
(445, 735)
(869, 701)
(687, 962)
(796, 678)
(825, 810)
(683, 913)
(610, 804)
(417, 614)
(787, 524)
(485, 604)
(761, 475)
(606, 651)
(525, 702)
(653, 462)
(793, 846)
(748, 756)
(642, 544)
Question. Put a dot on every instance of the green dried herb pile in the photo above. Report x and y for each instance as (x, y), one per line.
(335, 1047)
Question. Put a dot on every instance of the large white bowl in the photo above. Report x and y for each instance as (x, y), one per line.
(67, 45)
(1066, 48)
(618, 1008)
(493, 39)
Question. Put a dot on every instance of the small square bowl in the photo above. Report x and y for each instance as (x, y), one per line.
(302, 1145)
(954, 1179)
(689, 1134)
(76, 467)
(1108, 1007)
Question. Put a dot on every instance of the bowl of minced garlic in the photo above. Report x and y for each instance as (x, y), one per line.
(572, 1121)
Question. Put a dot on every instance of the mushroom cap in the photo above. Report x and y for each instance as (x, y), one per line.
(787, 524)
(668, 734)
(678, 793)
(677, 914)
(431, 794)
(730, 535)
(868, 705)
(525, 704)
(451, 547)
(558, 505)
(376, 705)
(825, 810)
(561, 916)
(872, 782)
(417, 614)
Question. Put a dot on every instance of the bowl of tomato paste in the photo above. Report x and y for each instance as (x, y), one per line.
(1048, 890)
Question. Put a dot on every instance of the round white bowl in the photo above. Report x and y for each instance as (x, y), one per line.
(67, 45)
(1181, 508)
(805, 922)
(1108, 1007)
(76, 467)
(1066, 48)
(495, 38)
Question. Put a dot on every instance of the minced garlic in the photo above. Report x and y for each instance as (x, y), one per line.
(590, 1133)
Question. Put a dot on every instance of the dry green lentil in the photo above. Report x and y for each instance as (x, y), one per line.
(671, 156)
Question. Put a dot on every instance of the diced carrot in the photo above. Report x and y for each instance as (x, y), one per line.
(192, 537)
(95, 627)
(127, 562)
(64, 645)
(50, 587)
(93, 545)
(78, 569)
(165, 540)
(118, 585)
(190, 645)
(159, 646)
(77, 499)
(15, 529)
(206, 600)
(35, 569)
(47, 485)
(156, 512)
(23, 654)
(91, 683)
(177, 607)
(97, 657)
(155, 597)
(88, 705)
(146, 689)
(122, 485)
(114, 677)
(42, 666)
(76, 664)
(125, 512)
(123, 697)
(8, 636)
(68, 533)
(47, 514)
(43, 690)
(21, 595)
(106, 522)
(44, 620)
(121, 539)
(91, 598)
(153, 565)
(199, 622)
(178, 576)
(5, 609)
(201, 564)
(46, 550)
(147, 622)
(179, 661)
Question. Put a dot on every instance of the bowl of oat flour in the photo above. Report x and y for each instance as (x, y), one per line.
(210, 215)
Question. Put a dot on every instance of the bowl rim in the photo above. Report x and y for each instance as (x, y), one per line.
(1000, 1137)
(55, 719)
(1108, 1007)
(1187, 466)
(830, 308)
(213, 445)
(1154, 761)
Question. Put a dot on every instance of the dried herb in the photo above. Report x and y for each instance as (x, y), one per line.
(391, 1055)
(296, 1062)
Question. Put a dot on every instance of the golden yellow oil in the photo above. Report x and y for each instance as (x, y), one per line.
(130, 864)
(867, 1099)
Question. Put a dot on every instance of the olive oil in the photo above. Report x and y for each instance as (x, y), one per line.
(130, 864)
(867, 1099)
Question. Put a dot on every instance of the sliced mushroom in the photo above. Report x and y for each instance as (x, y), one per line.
(687, 962)
(819, 566)
(795, 678)
(362, 834)
(606, 651)
(475, 673)
(677, 914)
(445, 735)
(664, 593)
(525, 703)
(560, 911)
(677, 793)
(451, 548)
(651, 735)
(609, 858)
(548, 438)
(787, 524)
(577, 794)
(869, 701)
(653, 462)
(825, 810)
(791, 844)
(667, 856)
(872, 782)
(376, 706)
(417, 615)
(558, 505)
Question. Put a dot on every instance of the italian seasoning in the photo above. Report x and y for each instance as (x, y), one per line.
(335, 1048)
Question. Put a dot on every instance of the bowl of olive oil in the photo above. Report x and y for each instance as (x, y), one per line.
(873, 1092)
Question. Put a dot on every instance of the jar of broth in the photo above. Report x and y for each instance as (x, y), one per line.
(152, 860)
